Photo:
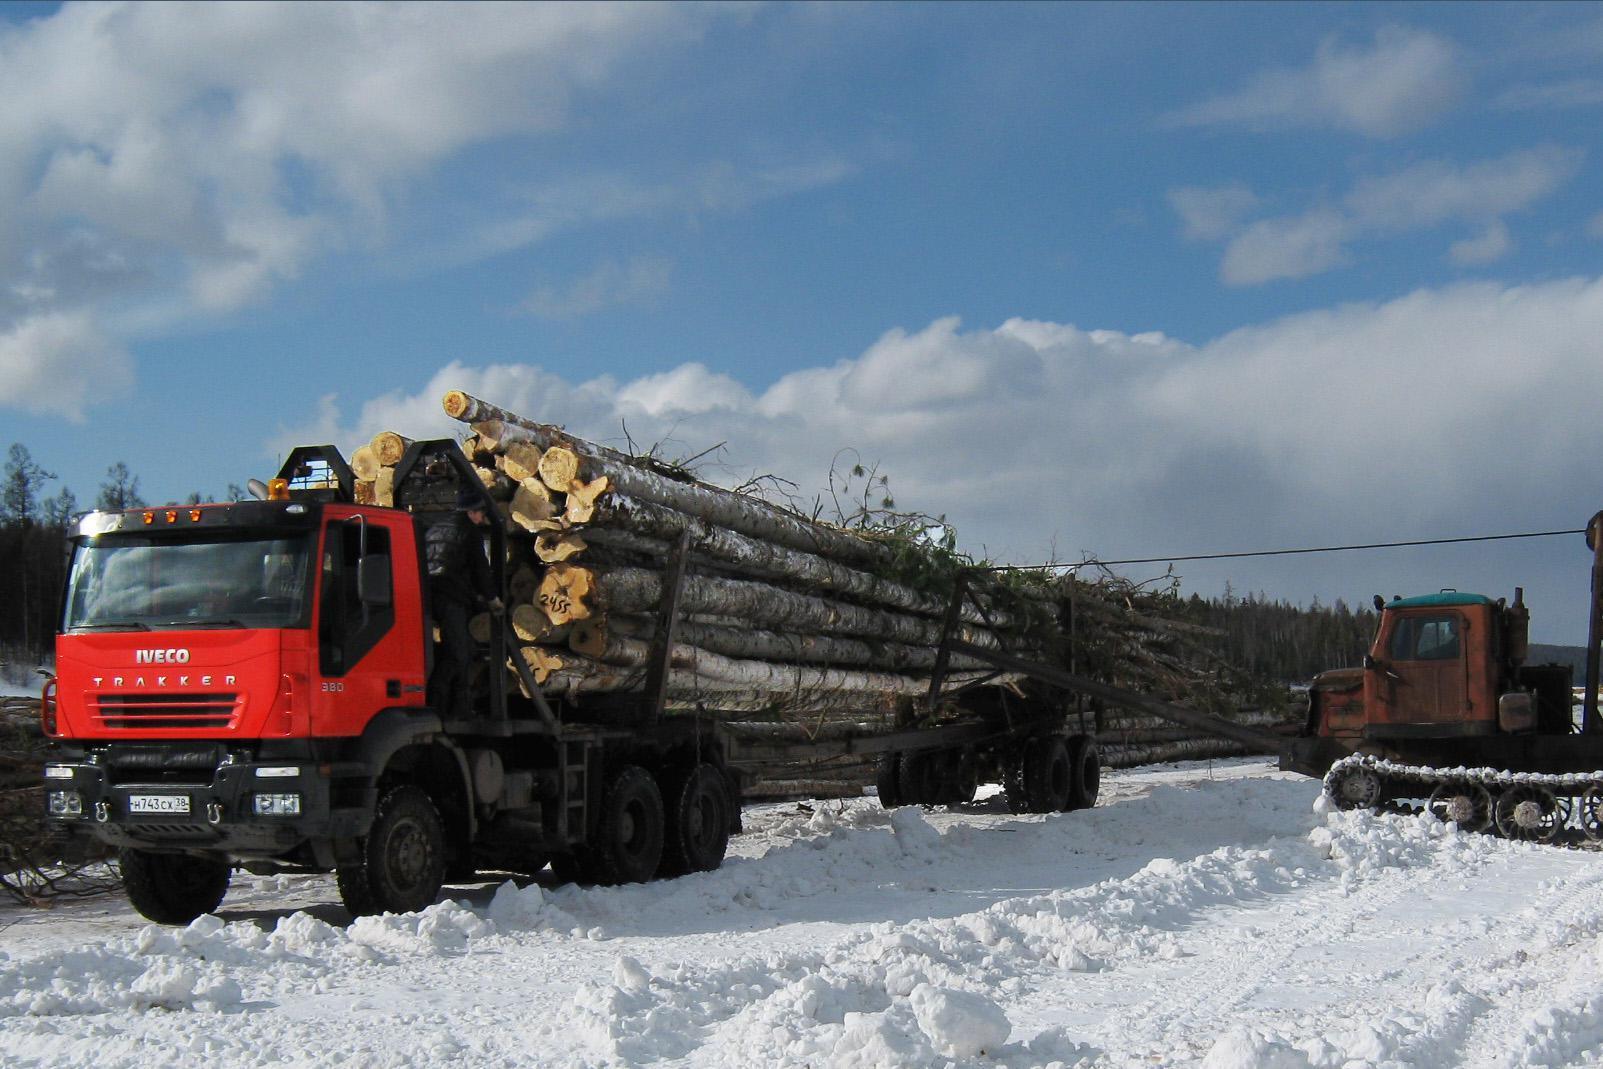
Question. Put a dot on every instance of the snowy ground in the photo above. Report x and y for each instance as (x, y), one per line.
(1201, 915)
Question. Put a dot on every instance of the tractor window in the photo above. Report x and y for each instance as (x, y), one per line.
(1425, 638)
(348, 629)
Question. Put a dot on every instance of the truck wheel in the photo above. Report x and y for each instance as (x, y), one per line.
(1048, 776)
(697, 831)
(888, 781)
(173, 888)
(403, 857)
(1086, 765)
(568, 868)
(629, 838)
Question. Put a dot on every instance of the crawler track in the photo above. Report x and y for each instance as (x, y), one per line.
(1564, 809)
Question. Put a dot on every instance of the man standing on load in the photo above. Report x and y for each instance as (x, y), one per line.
(459, 579)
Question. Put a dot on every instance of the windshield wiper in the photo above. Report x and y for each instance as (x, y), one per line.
(113, 625)
(194, 625)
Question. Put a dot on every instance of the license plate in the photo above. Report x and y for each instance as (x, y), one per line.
(158, 803)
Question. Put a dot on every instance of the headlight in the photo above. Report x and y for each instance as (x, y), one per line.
(58, 772)
(277, 771)
(65, 803)
(278, 805)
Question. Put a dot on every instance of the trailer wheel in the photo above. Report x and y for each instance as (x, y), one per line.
(1086, 765)
(918, 777)
(956, 777)
(1048, 776)
(697, 832)
(1018, 798)
(629, 838)
(888, 781)
(173, 888)
(403, 857)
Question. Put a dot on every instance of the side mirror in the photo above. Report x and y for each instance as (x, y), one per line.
(373, 581)
(1369, 663)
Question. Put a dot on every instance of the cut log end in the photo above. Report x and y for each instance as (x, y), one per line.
(388, 447)
(589, 637)
(456, 403)
(541, 661)
(520, 460)
(581, 504)
(364, 464)
(531, 506)
(553, 546)
(559, 467)
(565, 593)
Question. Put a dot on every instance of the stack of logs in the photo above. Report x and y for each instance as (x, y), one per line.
(787, 627)
(782, 618)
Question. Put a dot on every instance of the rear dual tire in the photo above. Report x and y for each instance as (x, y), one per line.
(1053, 775)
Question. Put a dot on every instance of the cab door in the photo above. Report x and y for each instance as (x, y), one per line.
(1426, 674)
(369, 626)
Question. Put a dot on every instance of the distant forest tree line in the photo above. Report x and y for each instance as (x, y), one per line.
(1272, 639)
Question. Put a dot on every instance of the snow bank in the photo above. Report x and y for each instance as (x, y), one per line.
(1218, 923)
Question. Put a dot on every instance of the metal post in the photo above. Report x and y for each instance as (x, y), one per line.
(943, 653)
(657, 665)
(1594, 627)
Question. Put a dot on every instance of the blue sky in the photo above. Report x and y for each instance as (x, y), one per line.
(1123, 279)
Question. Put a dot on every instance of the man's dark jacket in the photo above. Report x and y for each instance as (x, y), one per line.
(454, 554)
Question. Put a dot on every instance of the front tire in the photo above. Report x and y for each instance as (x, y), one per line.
(173, 888)
(403, 857)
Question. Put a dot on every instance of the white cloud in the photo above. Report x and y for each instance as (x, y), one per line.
(687, 390)
(207, 152)
(1430, 193)
(1367, 416)
(59, 363)
(1289, 247)
(608, 285)
(1574, 93)
(1425, 195)
(1210, 214)
(1397, 85)
(1491, 244)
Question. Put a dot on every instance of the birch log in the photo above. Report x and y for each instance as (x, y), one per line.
(634, 478)
(636, 590)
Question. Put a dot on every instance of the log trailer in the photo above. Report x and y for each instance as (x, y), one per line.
(245, 685)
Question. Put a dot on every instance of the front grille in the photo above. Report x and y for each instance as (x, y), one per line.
(130, 711)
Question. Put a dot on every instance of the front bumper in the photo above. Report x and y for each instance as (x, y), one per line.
(220, 816)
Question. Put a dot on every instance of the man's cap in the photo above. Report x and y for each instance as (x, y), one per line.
(468, 499)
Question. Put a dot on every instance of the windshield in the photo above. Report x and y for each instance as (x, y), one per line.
(222, 579)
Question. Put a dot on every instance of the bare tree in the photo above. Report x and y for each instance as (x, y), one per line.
(23, 479)
(120, 490)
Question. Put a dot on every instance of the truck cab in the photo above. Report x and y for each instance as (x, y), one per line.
(215, 665)
(1442, 667)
